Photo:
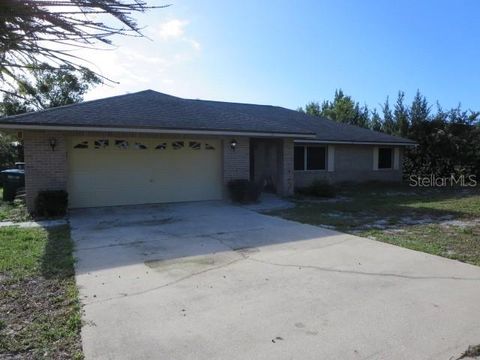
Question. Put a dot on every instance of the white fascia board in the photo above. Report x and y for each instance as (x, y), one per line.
(152, 131)
(354, 142)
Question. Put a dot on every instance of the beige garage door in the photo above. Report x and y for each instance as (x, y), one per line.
(125, 171)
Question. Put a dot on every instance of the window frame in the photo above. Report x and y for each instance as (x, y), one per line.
(305, 157)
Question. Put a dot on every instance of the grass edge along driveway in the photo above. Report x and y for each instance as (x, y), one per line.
(40, 314)
(442, 221)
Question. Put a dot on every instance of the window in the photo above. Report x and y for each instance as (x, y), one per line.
(101, 143)
(309, 158)
(140, 146)
(161, 146)
(195, 145)
(121, 144)
(385, 158)
(177, 145)
(299, 158)
(316, 158)
(209, 147)
(81, 145)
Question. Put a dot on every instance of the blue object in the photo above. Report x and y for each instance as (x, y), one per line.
(13, 180)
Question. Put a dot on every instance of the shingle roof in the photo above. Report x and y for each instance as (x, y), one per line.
(325, 129)
(153, 110)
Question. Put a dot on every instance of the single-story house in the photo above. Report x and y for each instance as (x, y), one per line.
(149, 147)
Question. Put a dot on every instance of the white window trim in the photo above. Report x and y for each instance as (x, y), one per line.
(396, 158)
(392, 166)
(327, 164)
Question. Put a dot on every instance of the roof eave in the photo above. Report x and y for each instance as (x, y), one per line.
(13, 126)
(352, 142)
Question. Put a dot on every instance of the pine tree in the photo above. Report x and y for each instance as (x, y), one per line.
(376, 121)
(389, 125)
(313, 108)
(420, 110)
(342, 109)
(401, 115)
(362, 116)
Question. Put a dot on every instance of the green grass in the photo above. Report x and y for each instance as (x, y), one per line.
(40, 314)
(15, 211)
(453, 242)
(418, 219)
(21, 251)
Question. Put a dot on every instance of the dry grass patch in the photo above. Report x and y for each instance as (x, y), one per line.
(39, 306)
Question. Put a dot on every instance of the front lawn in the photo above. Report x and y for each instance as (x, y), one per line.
(15, 211)
(39, 306)
(439, 221)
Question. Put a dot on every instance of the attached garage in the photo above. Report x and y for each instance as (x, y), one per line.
(120, 170)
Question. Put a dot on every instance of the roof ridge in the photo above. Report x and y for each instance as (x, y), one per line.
(230, 102)
(82, 103)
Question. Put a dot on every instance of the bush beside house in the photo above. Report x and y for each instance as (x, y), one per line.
(244, 191)
(51, 203)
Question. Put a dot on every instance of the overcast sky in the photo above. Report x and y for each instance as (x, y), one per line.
(290, 52)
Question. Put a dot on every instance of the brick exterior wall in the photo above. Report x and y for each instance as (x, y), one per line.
(48, 170)
(352, 163)
(44, 169)
(236, 163)
(285, 166)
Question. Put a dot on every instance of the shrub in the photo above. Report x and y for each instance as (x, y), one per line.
(318, 188)
(51, 203)
(19, 211)
(244, 191)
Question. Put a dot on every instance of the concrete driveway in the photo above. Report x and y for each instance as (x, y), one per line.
(214, 281)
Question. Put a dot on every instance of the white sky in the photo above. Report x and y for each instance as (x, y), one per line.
(160, 60)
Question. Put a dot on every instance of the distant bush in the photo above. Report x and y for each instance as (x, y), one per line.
(51, 203)
(244, 191)
(8, 152)
(318, 188)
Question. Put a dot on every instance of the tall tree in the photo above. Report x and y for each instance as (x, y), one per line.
(12, 105)
(419, 110)
(313, 108)
(46, 87)
(401, 115)
(36, 31)
(363, 116)
(342, 109)
(376, 122)
(389, 125)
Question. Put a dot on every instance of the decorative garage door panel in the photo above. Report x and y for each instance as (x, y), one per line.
(126, 171)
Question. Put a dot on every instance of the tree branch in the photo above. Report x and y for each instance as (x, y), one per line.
(30, 31)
